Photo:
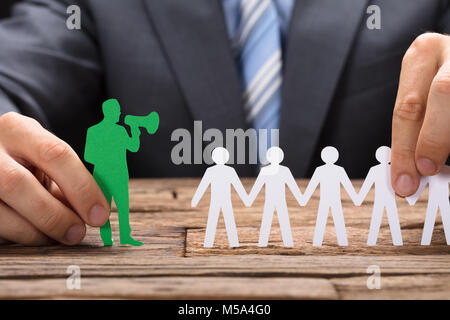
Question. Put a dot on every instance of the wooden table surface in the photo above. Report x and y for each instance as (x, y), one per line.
(172, 263)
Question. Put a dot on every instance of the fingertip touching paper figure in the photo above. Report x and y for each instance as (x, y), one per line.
(221, 177)
(437, 200)
(330, 177)
(106, 148)
(275, 177)
(380, 177)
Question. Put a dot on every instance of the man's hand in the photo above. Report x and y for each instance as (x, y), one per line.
(46, 193)
(421, 120)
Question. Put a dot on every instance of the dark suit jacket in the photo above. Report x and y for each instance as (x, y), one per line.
(174, 57)
(5, 6)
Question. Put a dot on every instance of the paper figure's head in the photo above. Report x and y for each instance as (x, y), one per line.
(383, 154)
(220, 155)
(329, 155)
(274, 155)
(111, 110)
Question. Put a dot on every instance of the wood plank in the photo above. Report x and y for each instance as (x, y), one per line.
(121, 265)
(303, 238)
(173, 264)
(159, 241)
(172, 288)
(393, 288)
(410, 217)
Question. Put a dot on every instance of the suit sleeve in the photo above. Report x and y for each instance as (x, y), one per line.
(444, 21)
(46, 70)
(6, 105)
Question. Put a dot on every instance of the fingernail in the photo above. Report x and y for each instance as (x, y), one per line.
(404, 185)
(98, 215)
(75, 234)
(426, 166)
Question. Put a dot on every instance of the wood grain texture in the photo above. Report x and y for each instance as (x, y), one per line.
(173, 264)
(303, 237)
(174, 288)
(406, 287)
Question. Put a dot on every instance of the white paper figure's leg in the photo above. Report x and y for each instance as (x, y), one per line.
(321, 222)
(375, 222)
(285, 225)
(339, 224)
(213, 218)
(265, 225)
(445, 214)
(429, 223)
(394, 224)
(230, 225)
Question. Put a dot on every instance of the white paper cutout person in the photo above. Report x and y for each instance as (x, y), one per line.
(275, 177)
(330, 177)
(220, 177)
(437, 199)
(380, 176)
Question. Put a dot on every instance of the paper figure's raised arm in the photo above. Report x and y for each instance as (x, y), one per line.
(348, 186)
(204, 184)
(256, 188)
(237, 184)
(413, 199)
(149, 122)
(133, 142)
(367, 185)
(293, 186)
(312, 185)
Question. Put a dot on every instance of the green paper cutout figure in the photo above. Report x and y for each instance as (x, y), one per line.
(106, 148)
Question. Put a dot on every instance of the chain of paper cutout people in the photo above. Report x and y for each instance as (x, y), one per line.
(107, 144)
(330, 177)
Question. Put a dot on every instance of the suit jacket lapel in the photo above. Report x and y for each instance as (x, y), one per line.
(319, 41)
(195, 39)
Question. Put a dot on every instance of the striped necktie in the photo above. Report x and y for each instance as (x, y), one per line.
(259, 44)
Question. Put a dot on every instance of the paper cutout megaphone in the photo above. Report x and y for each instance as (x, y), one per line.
(149, 122)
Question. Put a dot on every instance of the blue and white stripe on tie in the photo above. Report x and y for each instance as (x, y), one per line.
(258, 41)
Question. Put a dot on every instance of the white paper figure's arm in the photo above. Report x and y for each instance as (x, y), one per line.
(237, 184)
(370, 179)
(206, 180)
(292, 185)
(256, 188)
(413, 199)
(348, 186)
(312, 185)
